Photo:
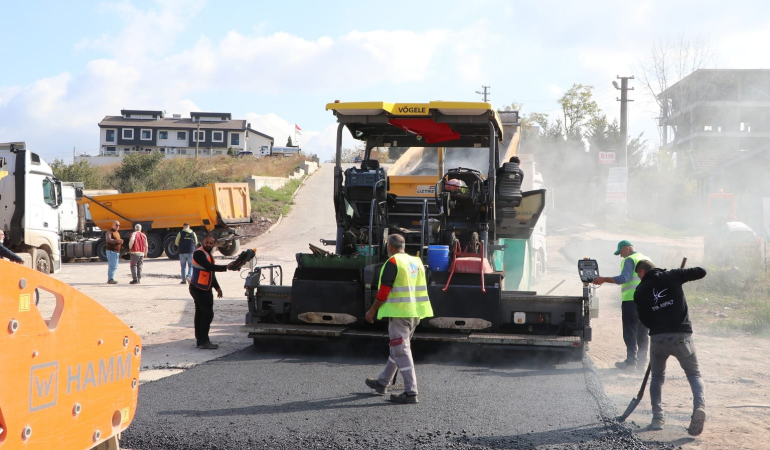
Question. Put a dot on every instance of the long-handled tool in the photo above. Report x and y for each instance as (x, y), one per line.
(635, 401)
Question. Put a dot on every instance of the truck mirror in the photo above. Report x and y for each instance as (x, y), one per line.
(58, 193)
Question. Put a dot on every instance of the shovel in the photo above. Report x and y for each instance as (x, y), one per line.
(635, 401)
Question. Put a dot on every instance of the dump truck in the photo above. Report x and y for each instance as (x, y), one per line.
(453, 189)
(217, 208)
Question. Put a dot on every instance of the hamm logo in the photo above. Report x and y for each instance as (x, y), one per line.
(43, 380)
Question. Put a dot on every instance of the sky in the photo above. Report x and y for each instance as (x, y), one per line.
(66, 65)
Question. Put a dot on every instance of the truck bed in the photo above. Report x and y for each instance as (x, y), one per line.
(208, 206)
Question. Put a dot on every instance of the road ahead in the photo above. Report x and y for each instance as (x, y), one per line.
(313, 396)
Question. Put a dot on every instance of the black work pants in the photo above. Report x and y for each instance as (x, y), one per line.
(204, 313)
(635, 335)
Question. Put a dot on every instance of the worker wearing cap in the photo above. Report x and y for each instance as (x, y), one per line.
(403, 299)
(634, 333)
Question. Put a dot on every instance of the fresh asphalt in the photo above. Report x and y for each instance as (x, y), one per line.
(308, 396)
(304, 396)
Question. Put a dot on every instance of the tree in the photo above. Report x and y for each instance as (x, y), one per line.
(289, 143)
(669, 61)
(135, 172)
(230, 151)
(578, 107)
(82, 171)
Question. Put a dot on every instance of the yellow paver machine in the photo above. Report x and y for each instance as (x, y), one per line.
(457, 200)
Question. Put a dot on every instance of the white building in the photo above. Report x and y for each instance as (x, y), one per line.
(150, 131)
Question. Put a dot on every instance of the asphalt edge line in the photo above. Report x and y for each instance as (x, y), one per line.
(607, 410)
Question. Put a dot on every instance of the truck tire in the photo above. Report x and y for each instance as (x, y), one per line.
(101, 250)
(154, 245)
(43, 262)
(231, 248)
(169, 246)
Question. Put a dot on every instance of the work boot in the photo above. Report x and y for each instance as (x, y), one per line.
(657, 423)
(626, 365)
(208, 346)
(374, 384)
(188, 280)
(133, 282)
(697, 421)
(183, 282)
(112, 282)
(404, 398)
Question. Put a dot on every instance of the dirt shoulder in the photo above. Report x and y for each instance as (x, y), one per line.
(734, 366)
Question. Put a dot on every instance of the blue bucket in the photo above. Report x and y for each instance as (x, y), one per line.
(438, 258)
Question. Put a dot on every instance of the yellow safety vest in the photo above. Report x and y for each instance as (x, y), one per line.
(409, 295)
(627, 289)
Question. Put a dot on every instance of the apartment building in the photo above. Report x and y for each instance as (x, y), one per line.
(151, 131)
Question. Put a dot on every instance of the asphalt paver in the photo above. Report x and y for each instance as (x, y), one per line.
(314, 397)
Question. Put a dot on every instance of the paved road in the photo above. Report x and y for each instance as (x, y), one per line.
(315, 398)
(308, 396)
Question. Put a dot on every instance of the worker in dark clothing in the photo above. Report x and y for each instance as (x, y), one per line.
(517, 161)
(662, 307)
(5, 252)
(202, 281)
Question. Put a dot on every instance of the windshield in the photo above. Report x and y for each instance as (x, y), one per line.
(424, 160)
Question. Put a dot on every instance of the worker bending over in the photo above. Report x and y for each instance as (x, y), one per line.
(662, 308)
(634, 333)
(403, 299)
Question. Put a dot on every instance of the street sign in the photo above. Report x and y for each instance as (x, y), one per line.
(617, 181)
(606, 157)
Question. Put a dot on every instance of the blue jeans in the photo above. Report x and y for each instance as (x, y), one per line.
(112, 264)
(185, 259)
(682, 347)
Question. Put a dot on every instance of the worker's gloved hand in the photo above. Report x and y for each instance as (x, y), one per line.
(219, 293)
(600, 280)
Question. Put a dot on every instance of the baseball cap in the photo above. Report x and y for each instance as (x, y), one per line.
(622, 244)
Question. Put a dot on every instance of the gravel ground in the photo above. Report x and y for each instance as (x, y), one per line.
(314, 397)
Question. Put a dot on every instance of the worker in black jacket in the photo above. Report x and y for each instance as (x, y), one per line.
(202, 282)
(662, 308)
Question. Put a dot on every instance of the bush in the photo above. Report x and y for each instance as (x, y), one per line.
(82, 171)
(731, 300)
(135, 172)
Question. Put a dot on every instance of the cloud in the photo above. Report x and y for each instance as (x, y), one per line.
(142, 66)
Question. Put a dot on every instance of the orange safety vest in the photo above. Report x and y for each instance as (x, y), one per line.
(202, 278)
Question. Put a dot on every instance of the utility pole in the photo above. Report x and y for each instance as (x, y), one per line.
(623, 88)
(197, 137)
(485, 93)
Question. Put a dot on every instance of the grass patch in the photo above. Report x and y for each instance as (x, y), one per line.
(643, 228)
(730, 300)
(271, 203)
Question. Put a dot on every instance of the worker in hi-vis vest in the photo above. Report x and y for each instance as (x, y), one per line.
(403, 299)
(635, 335)
(202, 282)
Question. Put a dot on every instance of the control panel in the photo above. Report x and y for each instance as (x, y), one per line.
(588, 270)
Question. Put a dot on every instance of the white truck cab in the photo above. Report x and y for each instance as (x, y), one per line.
(30, 198)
